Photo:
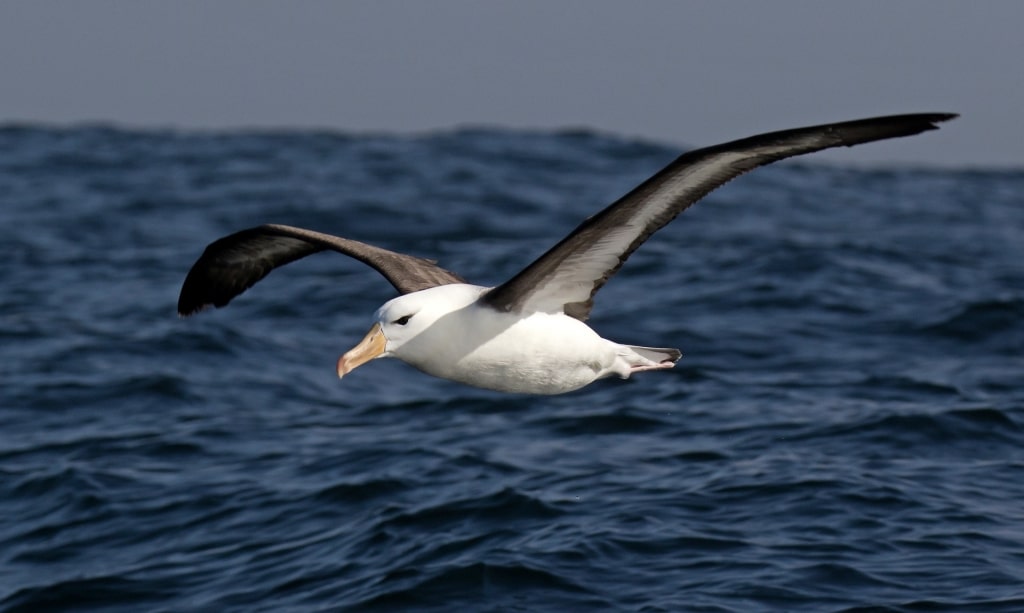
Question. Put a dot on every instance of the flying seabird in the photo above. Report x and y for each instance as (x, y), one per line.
(528, 334)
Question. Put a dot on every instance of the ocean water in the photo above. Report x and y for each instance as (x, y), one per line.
(845, 431)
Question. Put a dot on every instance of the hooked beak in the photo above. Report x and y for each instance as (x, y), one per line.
(372, 346)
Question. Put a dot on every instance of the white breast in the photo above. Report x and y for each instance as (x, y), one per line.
(540, 353)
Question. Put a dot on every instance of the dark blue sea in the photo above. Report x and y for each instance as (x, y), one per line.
(845, 431)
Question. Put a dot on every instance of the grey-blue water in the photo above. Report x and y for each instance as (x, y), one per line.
(845, 431)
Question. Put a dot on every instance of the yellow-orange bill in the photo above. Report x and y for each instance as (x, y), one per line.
(370, 347)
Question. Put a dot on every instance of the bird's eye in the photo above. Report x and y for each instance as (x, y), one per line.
(403, 320)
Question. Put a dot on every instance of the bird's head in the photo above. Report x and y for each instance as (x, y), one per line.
(404, 318)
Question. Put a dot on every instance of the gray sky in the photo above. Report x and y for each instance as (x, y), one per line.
(690, 73)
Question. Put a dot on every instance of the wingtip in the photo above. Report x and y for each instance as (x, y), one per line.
(188, 308)
(927, 121)
(931, 121)
(935, 118)
(861, 131)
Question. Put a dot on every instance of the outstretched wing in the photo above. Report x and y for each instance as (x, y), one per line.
(566, 278)
(233, 264)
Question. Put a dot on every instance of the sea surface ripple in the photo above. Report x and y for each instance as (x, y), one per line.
(845, 431)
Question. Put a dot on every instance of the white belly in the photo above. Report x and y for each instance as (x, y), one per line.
(538, 354)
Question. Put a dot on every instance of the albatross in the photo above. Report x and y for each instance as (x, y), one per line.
(528, 334)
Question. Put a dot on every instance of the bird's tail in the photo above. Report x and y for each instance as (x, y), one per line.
(659, 355)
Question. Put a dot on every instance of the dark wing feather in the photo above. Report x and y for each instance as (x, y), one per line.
(567, 276)
(233, 264)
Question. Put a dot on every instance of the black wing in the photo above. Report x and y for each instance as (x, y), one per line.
(233, 264)
(566, 278)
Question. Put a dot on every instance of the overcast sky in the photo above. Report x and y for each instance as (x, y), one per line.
(678, 72)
